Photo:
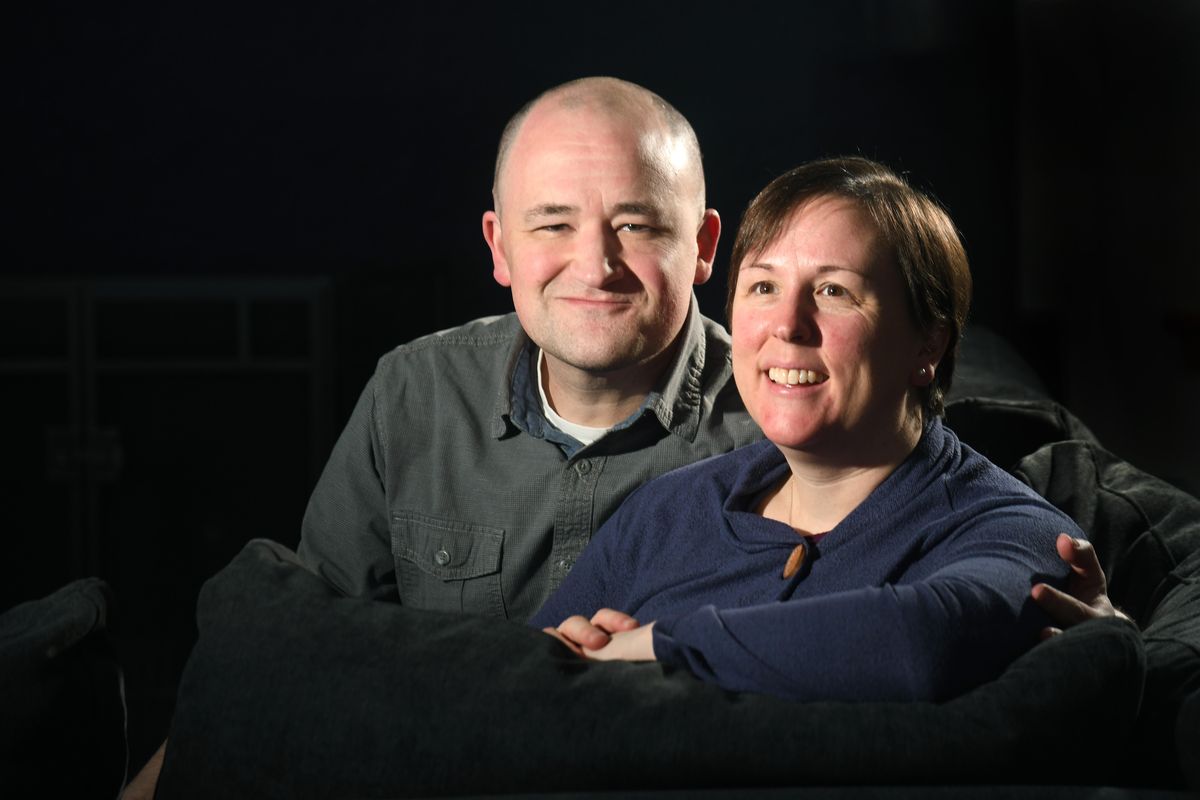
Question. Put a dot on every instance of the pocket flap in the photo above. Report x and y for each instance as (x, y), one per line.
(447, 549)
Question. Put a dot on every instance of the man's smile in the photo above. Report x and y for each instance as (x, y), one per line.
(600, 302)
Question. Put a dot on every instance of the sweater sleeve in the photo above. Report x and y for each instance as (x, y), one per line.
(953, 628)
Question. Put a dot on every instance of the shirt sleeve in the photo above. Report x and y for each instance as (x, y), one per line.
(929, 639)
(345, 536)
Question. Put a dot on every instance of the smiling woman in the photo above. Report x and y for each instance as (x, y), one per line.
(825, 300)
(862, 552)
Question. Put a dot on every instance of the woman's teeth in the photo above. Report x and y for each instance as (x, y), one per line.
(795, 377)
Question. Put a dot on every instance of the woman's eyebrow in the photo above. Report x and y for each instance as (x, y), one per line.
(839, 268)
(824, 269)
(763, 265)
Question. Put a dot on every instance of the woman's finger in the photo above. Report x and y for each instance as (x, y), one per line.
(612, 621)
(583, 633)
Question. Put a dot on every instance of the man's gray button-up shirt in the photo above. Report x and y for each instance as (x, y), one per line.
(448, 489)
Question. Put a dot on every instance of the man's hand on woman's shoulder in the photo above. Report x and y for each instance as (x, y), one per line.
(1087, 590)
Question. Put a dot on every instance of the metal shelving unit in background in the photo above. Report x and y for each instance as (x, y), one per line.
(149, 428)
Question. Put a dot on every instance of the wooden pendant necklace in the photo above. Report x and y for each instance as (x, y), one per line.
(792, 566)
(794, 561)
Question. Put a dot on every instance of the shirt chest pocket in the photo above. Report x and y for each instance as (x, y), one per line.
(447, 565)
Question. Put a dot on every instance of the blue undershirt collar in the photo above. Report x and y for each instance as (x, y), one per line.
(527, 407)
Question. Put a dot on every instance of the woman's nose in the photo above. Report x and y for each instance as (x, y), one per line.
(794, 320)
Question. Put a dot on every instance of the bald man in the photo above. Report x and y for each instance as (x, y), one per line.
(480, 460)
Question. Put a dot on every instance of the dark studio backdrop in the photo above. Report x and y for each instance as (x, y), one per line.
(220, 218)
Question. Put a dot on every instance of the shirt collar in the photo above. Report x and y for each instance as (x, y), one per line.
(527, 412)
(675, 402)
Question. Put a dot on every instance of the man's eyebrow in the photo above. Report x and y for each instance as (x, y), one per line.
(641, 209)
(548, 210)
(545, 210)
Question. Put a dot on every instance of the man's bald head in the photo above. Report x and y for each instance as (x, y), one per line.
(617, 100)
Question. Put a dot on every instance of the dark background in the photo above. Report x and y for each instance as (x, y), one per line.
(219, 218)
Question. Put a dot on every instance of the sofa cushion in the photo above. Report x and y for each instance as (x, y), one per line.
(989, 366)
(296, 691)
(1147, 535)
(1008, 430)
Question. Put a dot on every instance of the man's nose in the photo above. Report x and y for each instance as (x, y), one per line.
(598, 257)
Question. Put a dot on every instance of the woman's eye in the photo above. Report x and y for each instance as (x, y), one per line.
(831, 290)
(762, 287)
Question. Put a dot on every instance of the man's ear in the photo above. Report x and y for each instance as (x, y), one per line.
(494, 237)
(706, 244)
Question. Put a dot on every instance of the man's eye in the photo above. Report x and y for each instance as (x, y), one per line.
(557, 227)
(635, 227)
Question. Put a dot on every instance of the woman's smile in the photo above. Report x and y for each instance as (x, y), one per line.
(789, 376)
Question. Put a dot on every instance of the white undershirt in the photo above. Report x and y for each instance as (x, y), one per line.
(584, 434)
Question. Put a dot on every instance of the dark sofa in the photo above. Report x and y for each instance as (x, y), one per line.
(295, 691)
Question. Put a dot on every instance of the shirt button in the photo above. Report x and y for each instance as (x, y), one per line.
(565, 564)
(583, 467)
(442, 558)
